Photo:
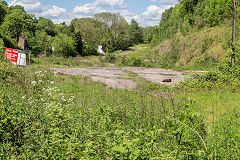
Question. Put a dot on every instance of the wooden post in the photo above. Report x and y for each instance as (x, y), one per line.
(29, 58)
(234, 32)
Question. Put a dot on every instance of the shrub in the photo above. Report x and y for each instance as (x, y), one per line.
(1, 49)
(110, 57)
(10, 43)
(89, 49)
(64, 45)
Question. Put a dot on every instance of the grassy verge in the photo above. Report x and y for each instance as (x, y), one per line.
(55, 61)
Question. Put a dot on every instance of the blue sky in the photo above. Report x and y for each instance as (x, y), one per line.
(145, 12)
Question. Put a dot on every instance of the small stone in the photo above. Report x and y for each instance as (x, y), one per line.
(167, 80)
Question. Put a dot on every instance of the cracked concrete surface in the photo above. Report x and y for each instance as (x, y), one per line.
(117, 77)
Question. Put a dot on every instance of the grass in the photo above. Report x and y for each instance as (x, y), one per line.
(213, 104)
(54, 61)
(72, 117)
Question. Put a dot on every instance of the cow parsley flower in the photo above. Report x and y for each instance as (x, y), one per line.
(34, 83)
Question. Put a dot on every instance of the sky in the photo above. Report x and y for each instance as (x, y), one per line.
(145, 12)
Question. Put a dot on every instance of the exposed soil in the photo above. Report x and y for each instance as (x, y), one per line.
(117, 77)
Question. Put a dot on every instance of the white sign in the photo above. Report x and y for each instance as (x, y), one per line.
(22, 59)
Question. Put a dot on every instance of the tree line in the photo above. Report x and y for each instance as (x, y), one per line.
(81, 37)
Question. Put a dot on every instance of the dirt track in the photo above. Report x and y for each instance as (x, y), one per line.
(117, 77)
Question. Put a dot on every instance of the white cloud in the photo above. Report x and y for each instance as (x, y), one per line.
(88, 9)
(53, 11)
(152, 16)
(99, 6)
(29, 5)
(110, 3)
(170, 2)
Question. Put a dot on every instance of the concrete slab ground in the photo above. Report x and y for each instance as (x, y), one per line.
(117, 77)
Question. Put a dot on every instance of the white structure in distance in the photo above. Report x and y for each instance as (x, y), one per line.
(100, 50)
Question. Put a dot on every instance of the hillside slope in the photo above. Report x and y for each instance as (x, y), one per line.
(195, 33)
(206, 47)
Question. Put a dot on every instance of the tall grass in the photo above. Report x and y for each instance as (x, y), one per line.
(48, 116)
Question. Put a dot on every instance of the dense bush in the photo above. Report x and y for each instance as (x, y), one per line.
(89, 49)
(110, 57)
(1, 47)
(64, 45)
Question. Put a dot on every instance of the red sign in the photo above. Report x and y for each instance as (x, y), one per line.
(11, 54)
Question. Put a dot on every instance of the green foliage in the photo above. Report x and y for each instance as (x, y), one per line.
(38, 42)
(17, 22)
(45, 120)
(1, 49)
(46, 25)
(135, 33)
(149, 33)
(3, 11)
(110, 58)
(226, 137)
(114, 31)
(48, 116)
(78, 43)
(62, 28)
(89, 49)
(89, 30)
(64, 45)
(192, 14)
(9, 42)
(170, 58)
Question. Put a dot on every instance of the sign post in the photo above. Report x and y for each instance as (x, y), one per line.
(16, 57)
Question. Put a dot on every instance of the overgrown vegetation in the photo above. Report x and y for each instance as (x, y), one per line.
(44, 115)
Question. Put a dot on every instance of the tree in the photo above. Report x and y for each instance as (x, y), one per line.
(3, 10)
(62, 28)
(64, 45)
(16, 23)
(89, 30)
(38, 43)
(46, 25)
(149, 33)
(135, 33)
(114, 31)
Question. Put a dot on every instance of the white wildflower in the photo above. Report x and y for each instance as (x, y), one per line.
(33, 82)
(63, 98)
